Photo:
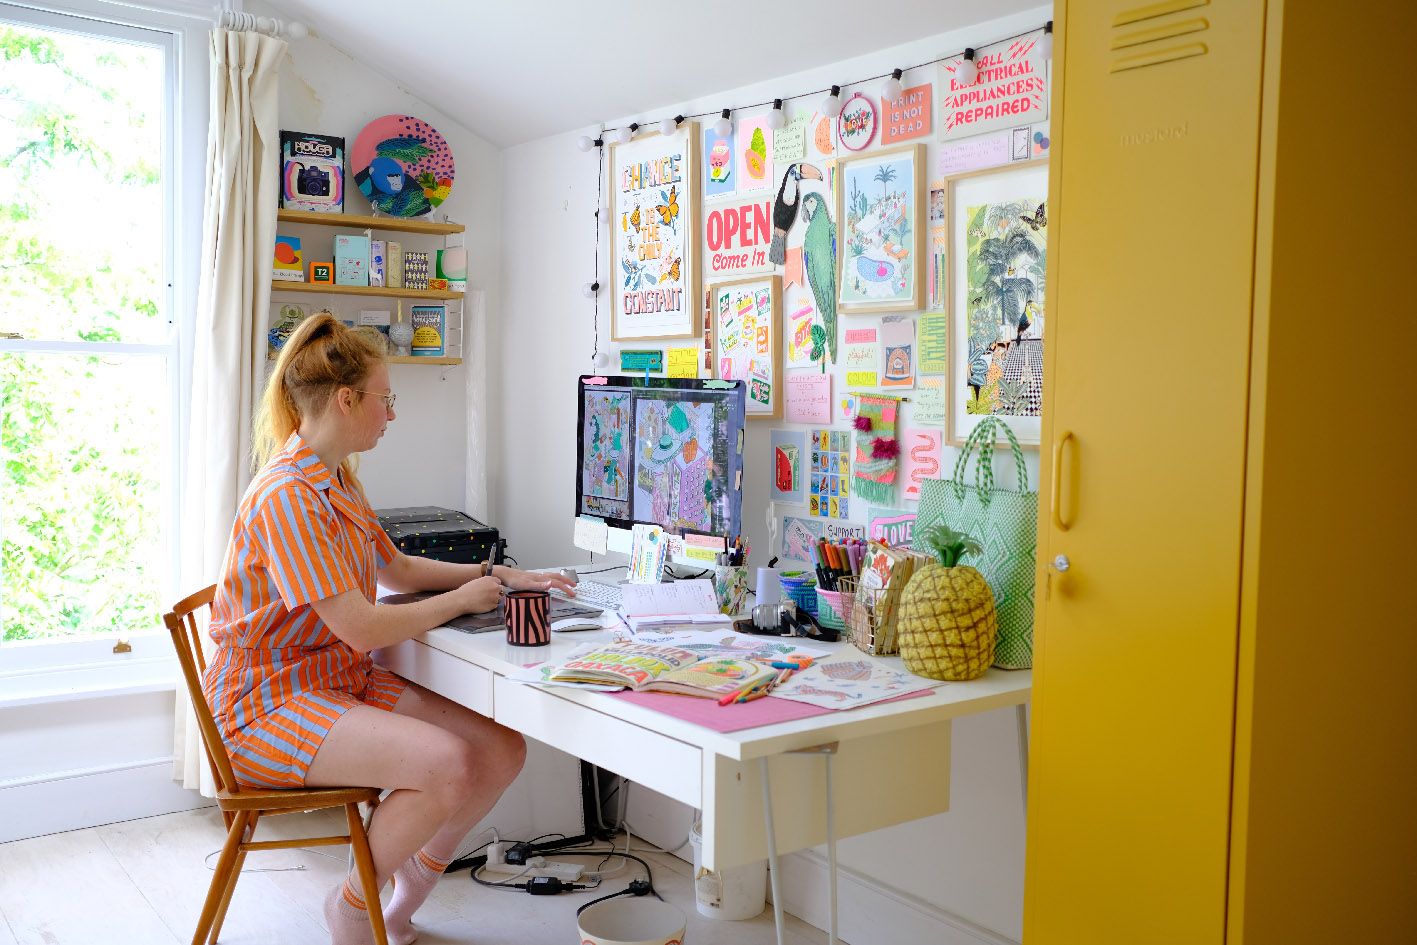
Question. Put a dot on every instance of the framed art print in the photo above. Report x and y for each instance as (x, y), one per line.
(881, 245)
(997, 255)
(746, 322)
(654, 235)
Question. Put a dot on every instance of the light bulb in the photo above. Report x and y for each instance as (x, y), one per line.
(777, 117)
(723, 127)
(589, 289)
(1046, 44)
(668, 126)
(622, 135)
(892, 89)
(601, 361)
(585, 142)
(831, 105)
(967, 71)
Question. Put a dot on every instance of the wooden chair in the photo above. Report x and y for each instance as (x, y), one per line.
(243, 807)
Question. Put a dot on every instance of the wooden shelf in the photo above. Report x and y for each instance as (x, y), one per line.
(355, 221)
(392, 359)
(281, 285)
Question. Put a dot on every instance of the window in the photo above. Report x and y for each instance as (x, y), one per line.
(89, 346)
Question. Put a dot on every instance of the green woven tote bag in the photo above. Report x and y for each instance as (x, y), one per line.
(1004, 522)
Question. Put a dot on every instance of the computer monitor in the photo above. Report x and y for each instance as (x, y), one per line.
(661, 451)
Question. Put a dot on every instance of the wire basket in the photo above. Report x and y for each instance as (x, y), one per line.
(871, 618)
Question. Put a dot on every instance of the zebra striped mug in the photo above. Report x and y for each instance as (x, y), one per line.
(528, 616)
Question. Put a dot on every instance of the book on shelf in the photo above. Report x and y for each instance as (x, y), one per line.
(647, 667)
(289, 262)
(429, 328)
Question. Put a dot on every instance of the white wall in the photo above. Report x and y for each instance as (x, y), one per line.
(967, 863)
(422, 458)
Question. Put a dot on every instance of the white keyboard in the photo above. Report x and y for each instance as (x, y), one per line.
(594, 594)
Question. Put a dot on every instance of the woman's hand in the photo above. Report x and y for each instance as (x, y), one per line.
(536, 580)
(480, 595)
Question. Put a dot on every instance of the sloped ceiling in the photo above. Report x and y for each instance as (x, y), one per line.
(516, 70)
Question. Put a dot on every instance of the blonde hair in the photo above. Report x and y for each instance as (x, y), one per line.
(320, 357)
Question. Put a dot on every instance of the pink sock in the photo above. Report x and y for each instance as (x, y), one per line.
(413, 881)
(347, 916)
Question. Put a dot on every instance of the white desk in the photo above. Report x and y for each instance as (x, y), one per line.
(884, 764)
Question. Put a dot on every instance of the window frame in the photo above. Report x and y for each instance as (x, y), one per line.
(181, 32)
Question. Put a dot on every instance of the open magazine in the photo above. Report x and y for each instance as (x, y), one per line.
(651, 667)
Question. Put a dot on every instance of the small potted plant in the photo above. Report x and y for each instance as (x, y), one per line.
(947, 625)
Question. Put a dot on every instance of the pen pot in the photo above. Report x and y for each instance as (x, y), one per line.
(730, 586)
(528, 617)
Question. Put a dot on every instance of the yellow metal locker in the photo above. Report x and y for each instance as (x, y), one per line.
(1175, 671)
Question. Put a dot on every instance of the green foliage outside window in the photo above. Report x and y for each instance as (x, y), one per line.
(83, 436)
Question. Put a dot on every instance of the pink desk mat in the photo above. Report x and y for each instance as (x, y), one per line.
(734, 718)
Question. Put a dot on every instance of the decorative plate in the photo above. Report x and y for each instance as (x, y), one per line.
(402, 165)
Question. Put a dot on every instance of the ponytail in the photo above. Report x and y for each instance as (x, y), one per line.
(320, 357)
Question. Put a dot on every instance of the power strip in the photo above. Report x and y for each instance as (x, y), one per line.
(566, 872)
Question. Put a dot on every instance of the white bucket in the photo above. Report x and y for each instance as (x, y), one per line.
(740, 892)
(631, 920)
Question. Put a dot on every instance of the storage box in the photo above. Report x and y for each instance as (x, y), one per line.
(376, 262)
(351, 260)
(311, 172)
(441, 534)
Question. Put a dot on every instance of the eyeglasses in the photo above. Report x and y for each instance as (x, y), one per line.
(388, 398)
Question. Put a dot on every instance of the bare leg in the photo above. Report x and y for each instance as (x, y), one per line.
(438, 779)
(446, 767)
(501, 752)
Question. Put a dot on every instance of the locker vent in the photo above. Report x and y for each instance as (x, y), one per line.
(1137, 46)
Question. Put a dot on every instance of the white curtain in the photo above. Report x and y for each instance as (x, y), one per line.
(229, 349)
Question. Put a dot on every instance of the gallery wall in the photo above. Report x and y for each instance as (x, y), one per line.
(964, 868)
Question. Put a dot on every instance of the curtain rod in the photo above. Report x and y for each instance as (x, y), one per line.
(237, 20)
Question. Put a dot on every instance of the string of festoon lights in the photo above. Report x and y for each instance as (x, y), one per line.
(830, 106)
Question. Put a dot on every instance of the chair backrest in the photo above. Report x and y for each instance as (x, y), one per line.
(186, 639)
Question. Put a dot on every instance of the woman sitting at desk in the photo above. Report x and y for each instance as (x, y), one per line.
(295, 694)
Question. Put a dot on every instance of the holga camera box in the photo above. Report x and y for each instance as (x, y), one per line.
(311, 172)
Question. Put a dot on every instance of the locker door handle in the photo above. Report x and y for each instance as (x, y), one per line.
(1055, 498)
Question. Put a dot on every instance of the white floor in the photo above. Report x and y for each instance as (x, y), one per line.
(143, 882)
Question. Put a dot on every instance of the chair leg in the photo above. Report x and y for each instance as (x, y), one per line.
(364, 862)
(231, 883)
(221, 877)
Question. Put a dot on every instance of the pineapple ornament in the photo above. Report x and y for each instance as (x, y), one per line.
(947, 625)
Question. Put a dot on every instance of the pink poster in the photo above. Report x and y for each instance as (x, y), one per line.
(919, 459)
(809, 397)
(754, 154)
(908, 116)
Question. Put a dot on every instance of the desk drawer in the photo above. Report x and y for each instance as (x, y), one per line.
(446, 675)
(644, 756)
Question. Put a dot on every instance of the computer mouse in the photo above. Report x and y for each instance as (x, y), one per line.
(576, 623)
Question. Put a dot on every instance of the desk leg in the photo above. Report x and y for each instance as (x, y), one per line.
(1021, 714)
(774, 875)
(831, 851)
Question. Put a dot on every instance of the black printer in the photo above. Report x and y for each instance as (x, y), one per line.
(441, 534)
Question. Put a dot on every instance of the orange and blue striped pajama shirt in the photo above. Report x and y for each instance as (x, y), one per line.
(279, 678)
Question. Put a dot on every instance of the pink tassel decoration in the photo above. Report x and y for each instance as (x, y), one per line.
(883, 448)
(863, 423)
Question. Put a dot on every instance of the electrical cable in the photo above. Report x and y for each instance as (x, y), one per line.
(505, 884)
(808, 94)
